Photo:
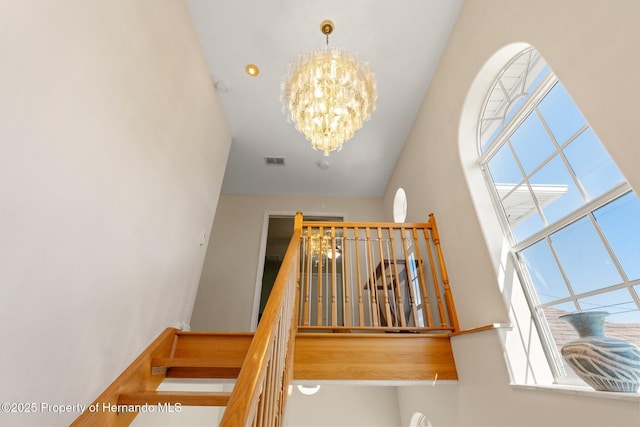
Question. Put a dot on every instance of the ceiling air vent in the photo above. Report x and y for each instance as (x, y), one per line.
(274, 161)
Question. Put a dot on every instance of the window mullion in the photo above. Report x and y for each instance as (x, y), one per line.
(567, 282)
(608, 248)
(561, 155)
(588, 294)
(497, 202)
(634, 295)
(526, 72)
(532, 102)
(537, 315)
(574, 216)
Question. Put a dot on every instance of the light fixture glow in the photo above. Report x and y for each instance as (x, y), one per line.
(252, 70)
(321, 246)
(308, 390)
(328, 94)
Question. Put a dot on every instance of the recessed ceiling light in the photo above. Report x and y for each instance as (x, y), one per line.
(252, 70)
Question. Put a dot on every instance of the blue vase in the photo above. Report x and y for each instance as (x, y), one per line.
(605, 363)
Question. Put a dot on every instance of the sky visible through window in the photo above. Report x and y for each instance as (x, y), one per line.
(550, 166)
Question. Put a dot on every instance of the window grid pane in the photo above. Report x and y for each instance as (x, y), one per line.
(584, 257)
(552, 169)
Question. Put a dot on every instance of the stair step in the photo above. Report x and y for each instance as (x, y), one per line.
(212, 345)
(211, 373)
(193, 362)
(185, 398)
(204, 355)
(188, 367)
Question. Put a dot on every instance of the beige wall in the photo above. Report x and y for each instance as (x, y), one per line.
(342, 406)
(232, 266)
(112, 150)
(589, 44)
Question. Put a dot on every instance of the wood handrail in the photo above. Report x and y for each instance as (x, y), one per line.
(360, 224)
(260, 390)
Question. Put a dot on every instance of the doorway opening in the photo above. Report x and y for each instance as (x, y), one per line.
(279, 232)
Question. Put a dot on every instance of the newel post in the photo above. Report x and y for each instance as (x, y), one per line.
(297, 222)
(445, 277)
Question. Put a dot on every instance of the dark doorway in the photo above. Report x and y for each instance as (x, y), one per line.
(279, 234)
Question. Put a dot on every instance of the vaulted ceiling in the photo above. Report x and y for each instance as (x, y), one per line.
(401, 40)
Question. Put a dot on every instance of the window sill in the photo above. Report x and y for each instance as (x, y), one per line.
(579, 390)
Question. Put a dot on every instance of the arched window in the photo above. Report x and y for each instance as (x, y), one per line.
(572, 220)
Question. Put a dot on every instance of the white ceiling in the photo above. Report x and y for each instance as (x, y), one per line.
(401, 40)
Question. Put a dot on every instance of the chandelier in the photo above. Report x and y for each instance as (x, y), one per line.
(328, 94)
(321, 246)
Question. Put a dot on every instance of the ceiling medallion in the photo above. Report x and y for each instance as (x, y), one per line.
(328, 94)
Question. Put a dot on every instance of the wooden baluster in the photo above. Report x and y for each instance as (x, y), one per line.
(410, 278)
(445, 277)
(345, 279)
(274, 385)
(399, 301)
(307, 294)
(334, 290)
(436, 283)
(288, 374)
(278, 374)
(383, 274)
(269, 386)
(423, 286)
(259, 420)
(372, 280)
(255, 418)
(262, 405)
(278, 353)
(265, 392)
(319, 261)
(359, 278)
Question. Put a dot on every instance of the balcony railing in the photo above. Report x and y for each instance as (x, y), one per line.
(374, 277)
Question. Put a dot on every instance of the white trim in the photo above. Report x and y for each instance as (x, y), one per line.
(259, 273)
(389, 383)
(578, 391)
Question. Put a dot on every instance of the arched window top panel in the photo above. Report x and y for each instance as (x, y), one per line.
(510, 92)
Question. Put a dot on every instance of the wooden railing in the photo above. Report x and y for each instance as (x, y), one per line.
(373, 277)
(260, 392)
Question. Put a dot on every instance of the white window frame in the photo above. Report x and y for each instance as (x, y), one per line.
(586, 210)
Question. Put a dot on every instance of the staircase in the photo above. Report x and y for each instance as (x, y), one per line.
(392, 321)
(220, 356)
(174, 354)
